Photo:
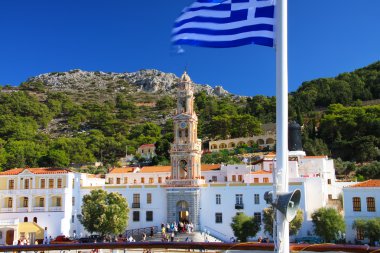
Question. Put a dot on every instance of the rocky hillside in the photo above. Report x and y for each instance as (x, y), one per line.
(151, 81)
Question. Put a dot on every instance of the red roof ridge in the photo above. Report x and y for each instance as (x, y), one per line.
(368, 183)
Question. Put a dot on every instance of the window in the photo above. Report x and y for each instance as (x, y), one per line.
(359, 234)
(328, 181)
(265, 180)
(151, 180)
(240, 178)
(256, 180)
(257, 199)
(126, 180)
(73, 201)
(218, 218)
(72, 218)
(239, 198)
(233, 178)
(25, 202)
(356, 204)
(225, 179)
(10, 202)
(59, 183)
(136, 216)
(214, 178)
(25, 219)
(11, 185)
(371, 204)
(118, 180)
(51, 183)
(149, 198)
(43, 183)
(136, 198)
(59, 201)
(42, 202)
(218, 199)
(35, 219)
(142, 180)
(160, 180)
(257, 217)
(110, 180)
(149, 215)
(26, 184)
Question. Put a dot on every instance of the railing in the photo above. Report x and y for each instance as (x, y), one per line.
(135, 205)
(185, 182)
(188, 247)
(22, 209)
(55, 208)
(6, 210)
(185, 147)
(217, 234)
(239, 206)
(38, 209)
(34, 191)
(138, 233)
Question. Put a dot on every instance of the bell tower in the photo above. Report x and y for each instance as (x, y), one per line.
(183, 192)
(185, 151)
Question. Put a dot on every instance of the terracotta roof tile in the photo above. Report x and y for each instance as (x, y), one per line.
(261, 172)
(35, 171)
(208, 167)
(121, 170)
(146, 145)
(368, 183)
(151, 169)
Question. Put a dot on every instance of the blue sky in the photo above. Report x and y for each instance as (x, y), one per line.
(326, 37)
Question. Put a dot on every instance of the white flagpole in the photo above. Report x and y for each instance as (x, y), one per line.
(281, 172)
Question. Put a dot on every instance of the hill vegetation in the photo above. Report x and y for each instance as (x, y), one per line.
(58, 119)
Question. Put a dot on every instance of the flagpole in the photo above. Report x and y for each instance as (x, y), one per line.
(281, 172)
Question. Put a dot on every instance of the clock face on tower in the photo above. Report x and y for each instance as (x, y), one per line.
(183, 125)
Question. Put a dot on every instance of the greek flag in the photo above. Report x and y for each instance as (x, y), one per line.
(226, 23)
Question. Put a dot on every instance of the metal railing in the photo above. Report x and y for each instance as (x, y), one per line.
(138, 233)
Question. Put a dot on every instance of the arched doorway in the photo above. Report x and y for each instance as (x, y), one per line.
(182, 169)
(183, 211)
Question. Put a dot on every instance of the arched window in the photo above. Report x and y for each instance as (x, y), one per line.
(231, 145)
(269, 141)
(25, 219)
(260, 141)
(35, 219)
(222, 145)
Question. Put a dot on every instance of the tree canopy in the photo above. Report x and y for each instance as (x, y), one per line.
(245, 226)
(328, 223)
(294, 225)
(104, 213)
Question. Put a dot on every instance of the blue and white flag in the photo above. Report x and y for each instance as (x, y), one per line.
(226, 23)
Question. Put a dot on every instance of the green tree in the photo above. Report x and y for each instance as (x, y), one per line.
(104, 213)
(369, 171)
(327, 223)
(244, 226)
(294, 225)
(370, 227)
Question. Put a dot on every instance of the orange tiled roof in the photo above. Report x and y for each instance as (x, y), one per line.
(316, 156)
(151, 169)
(261, 172)
(368, 183)
(35, 171)
(208, 167)
(146, 145)
(121, 170)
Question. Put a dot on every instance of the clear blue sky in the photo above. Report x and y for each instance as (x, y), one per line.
(326, 37)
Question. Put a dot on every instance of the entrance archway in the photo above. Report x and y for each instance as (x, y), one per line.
(182, 211)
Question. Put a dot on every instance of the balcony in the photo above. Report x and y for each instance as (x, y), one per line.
(38, 209)
(135, 205)
(239, 206)
(22, 209)
(55, 209)
(6, 209)
(184, 182)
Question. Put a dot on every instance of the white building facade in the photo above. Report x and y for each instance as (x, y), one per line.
(207, 195)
